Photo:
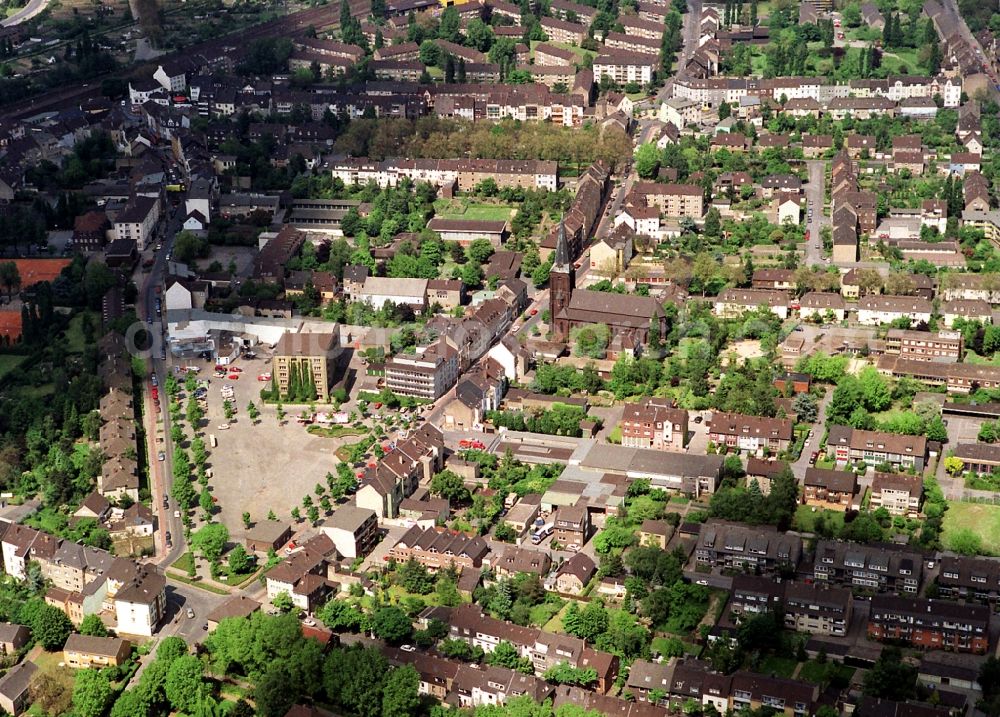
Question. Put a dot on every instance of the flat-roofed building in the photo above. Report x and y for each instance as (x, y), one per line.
(306, 359)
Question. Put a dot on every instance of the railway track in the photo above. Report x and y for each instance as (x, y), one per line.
(233, 44)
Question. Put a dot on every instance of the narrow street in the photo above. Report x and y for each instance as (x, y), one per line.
(816, 196)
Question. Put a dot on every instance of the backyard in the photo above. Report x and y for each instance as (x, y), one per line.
(467, 209)
(983, 519)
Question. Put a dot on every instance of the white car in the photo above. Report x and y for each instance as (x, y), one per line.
(408, 648)
(223, 426)
(702, 582)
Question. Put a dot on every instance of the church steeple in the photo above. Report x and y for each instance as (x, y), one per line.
(561, 283)
(562, 248)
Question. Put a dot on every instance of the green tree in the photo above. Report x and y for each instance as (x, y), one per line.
(246, 519)
(93, 626)
(479, 251)
(184, 682)
(92, 693)
(647, 161)
(49, 625)
(448, 484)
(391, 624)
(240, 561)
(964, 541)
(253, 412)
(211, 540)
(400, 695)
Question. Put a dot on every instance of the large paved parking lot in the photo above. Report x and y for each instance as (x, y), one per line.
(263, 467)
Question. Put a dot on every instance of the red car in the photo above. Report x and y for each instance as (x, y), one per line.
(534, 312)
(156, 394)
(233, 377)
(813, 457)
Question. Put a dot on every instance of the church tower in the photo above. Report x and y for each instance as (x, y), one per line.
(561, 284)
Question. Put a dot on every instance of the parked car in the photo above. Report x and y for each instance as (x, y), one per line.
(162, 456)
(190, 613)
(223, 426)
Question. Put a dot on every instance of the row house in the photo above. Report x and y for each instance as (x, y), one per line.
(774, 279)
(966, 310)
(494, 686)
(881, 309)
(750, 433)
(86, 580)
(467, 173)
(957, 377)
(829, 489)
(653, 423)
(477, 392)
(438, 548)
(980, 458)
(758, 549)
(743, 691)
(943, 346)
(875, 447)
(930, 624)
(514, 561)
(545, 650)
(822, 305)
(733, 303)
(871, 568)
(966, 578)
(898, 493)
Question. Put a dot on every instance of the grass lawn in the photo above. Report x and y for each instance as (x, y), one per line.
(973, 357)
(9, 362)
(556, 624)
(184, 563)
(981, 518)
(541, 614)
(48, 664)
(805, 518)
(74, 334)
(900, 58)
(778, 666)
(461, 209)
(195, 583)
(820, 673)
(578, 51)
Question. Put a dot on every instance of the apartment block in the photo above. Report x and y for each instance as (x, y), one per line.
(899, 493)
(930, 624)
(652, 423)
(944, 346)
(306, 358)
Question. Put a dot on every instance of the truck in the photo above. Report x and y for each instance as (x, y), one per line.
(212, 441)
(542, 533)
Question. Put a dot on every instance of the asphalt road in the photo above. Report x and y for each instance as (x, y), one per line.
(161, 475)
(816, 194)
(26, 13)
